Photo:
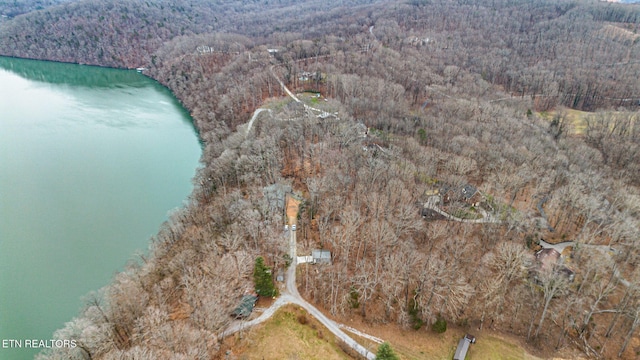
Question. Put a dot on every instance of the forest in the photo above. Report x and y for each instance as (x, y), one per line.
(532, 106)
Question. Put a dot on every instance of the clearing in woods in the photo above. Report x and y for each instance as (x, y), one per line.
(427, 345)
(291, 205)
(293, 334)
(576, 118)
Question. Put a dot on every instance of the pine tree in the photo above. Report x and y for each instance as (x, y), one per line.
(385, 352)
(262, 279)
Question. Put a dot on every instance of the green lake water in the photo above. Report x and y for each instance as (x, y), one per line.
(92, 161)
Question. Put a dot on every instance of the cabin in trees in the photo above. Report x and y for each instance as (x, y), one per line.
(316, 257)
(321, 257)
(306, 76)
(448, 194)
(245, 308)
(204, 49)
(551, 260)
(467, 194)
(547, 258)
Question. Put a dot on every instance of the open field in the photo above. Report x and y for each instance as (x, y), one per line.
(293, 334)
(490, 347)
(577, 119)
(427, 345)
(290, 334)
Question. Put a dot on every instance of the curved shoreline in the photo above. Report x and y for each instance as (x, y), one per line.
(147, 120)
(186, 110)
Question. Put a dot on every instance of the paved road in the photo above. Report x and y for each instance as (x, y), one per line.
(605, 249)
(322, 114)
(291, 296)
(292, 289)
(542, 213)
(253, 118)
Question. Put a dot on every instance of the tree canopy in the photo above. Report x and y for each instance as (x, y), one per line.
(385, 352)
(263, 279)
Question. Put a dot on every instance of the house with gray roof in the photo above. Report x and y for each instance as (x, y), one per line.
(321, 257)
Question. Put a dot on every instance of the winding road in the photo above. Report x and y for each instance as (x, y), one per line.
(486, 217)
(322, 114)
(290, 295)
(253, 118)
(331, 325)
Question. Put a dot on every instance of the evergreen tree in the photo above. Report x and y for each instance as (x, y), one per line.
(440, 325)
(262, 279)
(385, 352)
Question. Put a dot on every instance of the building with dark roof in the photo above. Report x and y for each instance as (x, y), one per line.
(245, 308)
(551, 260)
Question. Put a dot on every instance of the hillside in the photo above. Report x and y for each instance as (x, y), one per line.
(439, 155)
(12, 8)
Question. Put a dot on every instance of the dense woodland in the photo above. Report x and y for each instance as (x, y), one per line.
(427, 93)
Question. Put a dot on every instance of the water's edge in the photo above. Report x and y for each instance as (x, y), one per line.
(184, 114)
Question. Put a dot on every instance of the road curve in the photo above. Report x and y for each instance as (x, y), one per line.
(291, 296)
(331, 325)
(253, 118)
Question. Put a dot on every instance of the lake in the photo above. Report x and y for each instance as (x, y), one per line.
(92, 161)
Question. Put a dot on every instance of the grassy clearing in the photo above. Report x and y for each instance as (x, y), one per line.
(577, 119)
(432, 347)
(491, 348)
(427, 345)
(290, 334)
(617, 31)
(469, 213)
(276, 104)
(293, 334)
(316, 100)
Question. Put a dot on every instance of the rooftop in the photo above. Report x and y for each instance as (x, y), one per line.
(245, 307)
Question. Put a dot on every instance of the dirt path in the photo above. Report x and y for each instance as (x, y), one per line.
(375, 339)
